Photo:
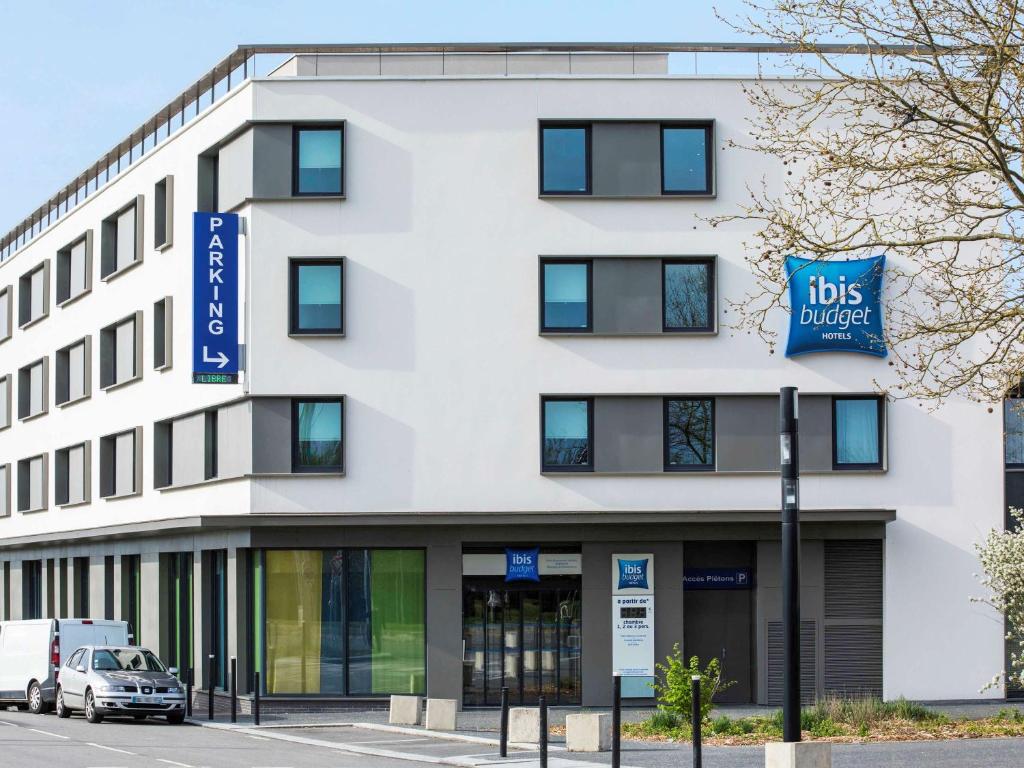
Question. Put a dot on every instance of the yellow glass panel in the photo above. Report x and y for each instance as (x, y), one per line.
(294, 581)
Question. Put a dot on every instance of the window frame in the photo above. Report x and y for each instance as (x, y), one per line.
(294, 265)
(555, 260)
(1014, 396)
(64, 258)
(163, 315)
(299, 128)
(44, 395)
(712, 296)
(298, 468)
(9, 291)
(25, 292)
(44, 495)
(61, 465)
(880, 415)
(9, 404)
(546, 468)
(63, 366)
(163, 188)
(108, 335)
(709, 163)
(666, 451)
(108, 450)
(588, 158)
(108, 240)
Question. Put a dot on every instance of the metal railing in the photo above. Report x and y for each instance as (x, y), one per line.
(241, 65)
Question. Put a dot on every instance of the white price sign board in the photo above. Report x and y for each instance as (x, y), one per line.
(633, 635)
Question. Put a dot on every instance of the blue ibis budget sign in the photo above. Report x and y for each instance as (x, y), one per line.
(836, 306)
(522, 564)
(633, 574)
(214, 298)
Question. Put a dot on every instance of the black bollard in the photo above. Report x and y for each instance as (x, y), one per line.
(256, 698)
(234, 690)
(616, 720)
(695, 718)
(188, 693)
(503, 737)
(209, 685)
(543, 732)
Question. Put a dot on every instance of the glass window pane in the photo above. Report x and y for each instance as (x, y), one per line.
(566, 433)
(319, 292)
(857, 432)
(294, 604)
(684, 159)
(125, 254)
(565, 159)
(687, 288)
(319, 170)
(319, 431)
(1013, 421)
(690, 433)
(566, 296)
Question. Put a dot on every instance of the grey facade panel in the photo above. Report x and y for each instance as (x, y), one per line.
(747, 429)
(627, 295)
(628, 434)
(235, 172)
(235, 449)
(272, 161)
(271, 435)
(187, 457)
(626, 159)
(815, 416)
(444, 620)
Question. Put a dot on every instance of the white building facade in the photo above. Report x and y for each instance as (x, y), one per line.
(482, 313)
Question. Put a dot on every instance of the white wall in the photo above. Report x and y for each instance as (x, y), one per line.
(442, 364)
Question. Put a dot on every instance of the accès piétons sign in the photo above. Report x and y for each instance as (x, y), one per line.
(215, 297)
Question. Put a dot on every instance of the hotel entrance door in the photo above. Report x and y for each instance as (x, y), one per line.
(526, 636)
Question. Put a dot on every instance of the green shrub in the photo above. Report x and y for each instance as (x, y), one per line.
(662, 720)
(673, 689)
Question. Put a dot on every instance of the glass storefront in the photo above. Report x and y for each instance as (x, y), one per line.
(526, 636)
(343, 622)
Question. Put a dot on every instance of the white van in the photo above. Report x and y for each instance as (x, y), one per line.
(30, 655)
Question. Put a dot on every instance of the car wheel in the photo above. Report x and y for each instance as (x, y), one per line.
(91, 713)
(176, 719)
(36, 705)
(62, 711)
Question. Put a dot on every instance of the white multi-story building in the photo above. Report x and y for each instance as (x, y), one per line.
(481, 313)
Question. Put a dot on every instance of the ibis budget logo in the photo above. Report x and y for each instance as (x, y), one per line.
(633, 574)
(522, 564)
(836, 306)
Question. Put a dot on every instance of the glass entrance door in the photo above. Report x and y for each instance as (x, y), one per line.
(526, 637)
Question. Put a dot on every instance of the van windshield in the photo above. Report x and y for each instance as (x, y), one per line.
(126, 659)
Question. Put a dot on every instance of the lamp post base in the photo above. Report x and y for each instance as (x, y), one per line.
(798, 754)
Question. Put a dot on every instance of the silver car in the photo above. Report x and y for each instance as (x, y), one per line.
(124, 681)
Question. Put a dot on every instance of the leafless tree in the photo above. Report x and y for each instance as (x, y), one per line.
(910, 145)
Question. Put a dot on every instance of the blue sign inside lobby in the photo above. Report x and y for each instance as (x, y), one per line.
(836, 306)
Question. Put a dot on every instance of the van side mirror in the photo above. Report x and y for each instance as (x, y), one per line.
(173, 671)
(80, 668)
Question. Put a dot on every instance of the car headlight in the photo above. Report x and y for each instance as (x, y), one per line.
(111, 688)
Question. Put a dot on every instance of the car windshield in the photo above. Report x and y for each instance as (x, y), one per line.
(126, 659)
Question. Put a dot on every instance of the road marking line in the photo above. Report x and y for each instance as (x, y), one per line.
(389, 741)
(48, 733)
(172, 762)
(112, 749)
(13, 725)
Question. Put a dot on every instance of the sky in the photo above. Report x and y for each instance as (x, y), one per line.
(78, 77)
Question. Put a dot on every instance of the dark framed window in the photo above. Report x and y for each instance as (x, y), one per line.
(565, 159)
(1013, 431)
(567, 426)
(317, 153)
(688, 295)
(689, 433)
(857, 430)
(317, 435)
(566, 291)
(686, 152)
(315, 296)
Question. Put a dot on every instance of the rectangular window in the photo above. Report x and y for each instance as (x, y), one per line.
(857, 426)
(71, 474)
(33, 385)
(6, 312)
(344, 621)
(74, 369)
(74, 269)
(219, 616)
(120, 352)
(566, 287)
(5, 401)
(32, 589)
(317, 435)
(163, 323)
(317, 156)
(315, 295)
(689, 433)
(5, 490)
(119, 463)
(163, 213)
(122, 241)
(1013, 427)
(568, 434)
(34, 294)
(131, 592)
(686, 159)
(210, 444)
(32, 484)
(565, 160)
(80, 594)
(688, 295)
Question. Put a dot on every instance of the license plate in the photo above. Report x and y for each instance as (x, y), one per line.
(147, 699)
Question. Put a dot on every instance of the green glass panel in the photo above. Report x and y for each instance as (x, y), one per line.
(398, 619)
